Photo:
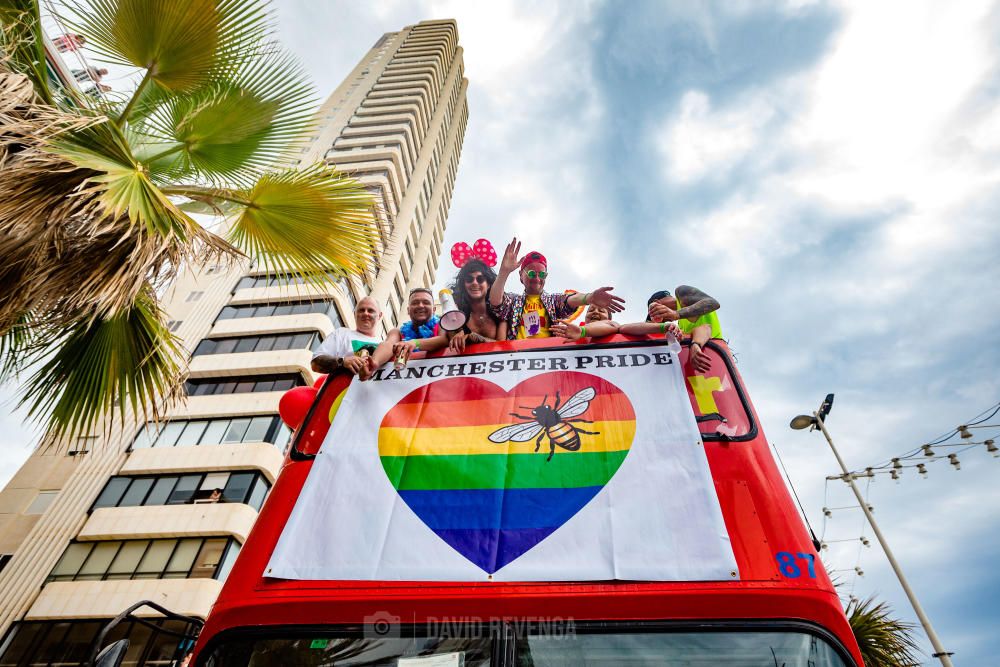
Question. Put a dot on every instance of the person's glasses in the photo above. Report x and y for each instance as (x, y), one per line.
(481, 279)
(537, 274)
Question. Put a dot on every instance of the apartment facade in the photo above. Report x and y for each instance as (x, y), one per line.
(160, 512)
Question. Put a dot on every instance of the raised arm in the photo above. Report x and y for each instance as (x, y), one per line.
(386, 349)
(509, 264)
(593, 330)
(649, 328)
(696, 303)
(601, 296)
(699, 359)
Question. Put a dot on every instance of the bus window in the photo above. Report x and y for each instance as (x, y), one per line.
(371, 651)
(721, 649)
(719, 401)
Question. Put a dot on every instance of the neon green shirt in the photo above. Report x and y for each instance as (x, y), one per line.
(711, 319)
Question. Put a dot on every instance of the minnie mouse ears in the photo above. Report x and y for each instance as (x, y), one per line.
(481, 250)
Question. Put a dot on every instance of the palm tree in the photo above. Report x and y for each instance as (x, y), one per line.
(884, 641)
(96, 196)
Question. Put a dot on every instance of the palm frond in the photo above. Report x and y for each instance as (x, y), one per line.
(182, 45)
(81, 227)
(230, 131)
(99, 367)
(883, 640)
(306, 223)
(22, 45)
(92, 222)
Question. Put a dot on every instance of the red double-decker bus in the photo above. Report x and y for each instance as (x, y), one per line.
(781, 611)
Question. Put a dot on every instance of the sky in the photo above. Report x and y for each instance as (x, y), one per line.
(828, 172)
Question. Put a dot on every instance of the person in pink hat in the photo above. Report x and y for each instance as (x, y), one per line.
(530, 314)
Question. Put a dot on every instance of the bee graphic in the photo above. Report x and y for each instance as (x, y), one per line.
(555, 422)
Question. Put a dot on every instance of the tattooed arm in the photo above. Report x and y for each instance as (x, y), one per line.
(696, 303)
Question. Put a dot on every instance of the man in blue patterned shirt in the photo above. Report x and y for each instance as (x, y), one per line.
(420, 333)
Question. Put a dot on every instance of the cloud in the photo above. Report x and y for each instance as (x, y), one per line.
(700, 143)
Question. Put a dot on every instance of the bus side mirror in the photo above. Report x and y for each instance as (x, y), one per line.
(112, 655)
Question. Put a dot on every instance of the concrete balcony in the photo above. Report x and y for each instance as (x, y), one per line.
(276, 324)
(239, 364)
(261, 456)
(225, 405)
(197, 520)
(107, 599)
(280, 293)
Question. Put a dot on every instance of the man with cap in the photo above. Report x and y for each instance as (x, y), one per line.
(694, 313)
(530, 314)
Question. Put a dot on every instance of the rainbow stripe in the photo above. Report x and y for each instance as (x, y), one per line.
(492, 502)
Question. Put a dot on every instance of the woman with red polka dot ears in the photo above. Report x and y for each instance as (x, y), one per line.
(530, 314)
(470, 289)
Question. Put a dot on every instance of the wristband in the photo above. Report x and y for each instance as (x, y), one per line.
(583, 332)
(416, 345)
(663, 327)
(586, 298)
(340, 362)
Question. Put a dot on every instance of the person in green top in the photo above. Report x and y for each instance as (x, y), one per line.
(694, 313)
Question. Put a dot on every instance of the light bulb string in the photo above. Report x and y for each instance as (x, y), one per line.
(887, 470)
(978, 420)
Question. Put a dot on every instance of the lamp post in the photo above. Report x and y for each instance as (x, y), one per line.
(816, 421)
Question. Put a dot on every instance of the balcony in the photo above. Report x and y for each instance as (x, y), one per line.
(273, 324)
(195, 520)
(278, 293)
(106, 599)
(238, 364)
(261, 456)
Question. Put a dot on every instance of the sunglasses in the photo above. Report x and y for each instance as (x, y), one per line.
(537, 274)
(481, 279)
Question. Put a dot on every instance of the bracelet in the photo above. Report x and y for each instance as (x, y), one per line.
(663, 327)
(583, 332)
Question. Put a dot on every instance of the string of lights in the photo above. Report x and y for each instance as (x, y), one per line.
(861, 540)
(923, 455)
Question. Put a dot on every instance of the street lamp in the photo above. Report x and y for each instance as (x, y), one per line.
(817, 421)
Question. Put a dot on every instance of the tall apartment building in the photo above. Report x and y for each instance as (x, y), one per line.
(160, 513)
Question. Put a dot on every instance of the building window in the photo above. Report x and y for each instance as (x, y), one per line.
(194, 296)
(68, 642)
(249, 488)
(399, 290)
(186, 558)
(41, 502)
(345, 287)
(278, 309)
(273, 280)
(174, 325)
(243, 385)
(308, 340)
(225, 430)
(4, 559)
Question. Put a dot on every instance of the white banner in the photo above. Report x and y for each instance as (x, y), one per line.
(529, 466)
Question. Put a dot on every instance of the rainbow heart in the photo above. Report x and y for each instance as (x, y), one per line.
(492, 501)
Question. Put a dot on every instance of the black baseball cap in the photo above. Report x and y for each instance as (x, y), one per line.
(656, 296)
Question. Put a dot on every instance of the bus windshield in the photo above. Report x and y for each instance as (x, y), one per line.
(568, 648)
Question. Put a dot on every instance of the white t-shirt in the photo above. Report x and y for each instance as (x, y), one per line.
(345, 342)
